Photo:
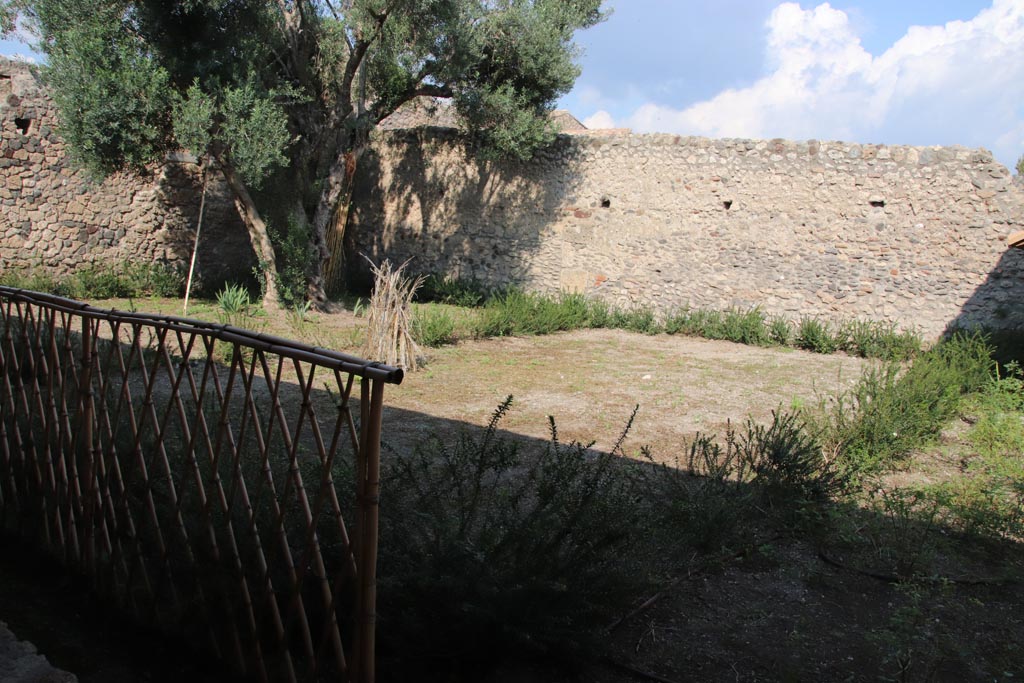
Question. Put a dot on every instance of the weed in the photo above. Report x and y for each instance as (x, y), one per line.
(911, 646)
(872, 339)
(780, 331)
(891, 411)
(293, 249)
(235, 305)
(433, 326)
(489, 549)
(816, 335)
(101, 282)
(638, 319)
(787, 463)
(704, 498)
(453, 291)
(515, 312)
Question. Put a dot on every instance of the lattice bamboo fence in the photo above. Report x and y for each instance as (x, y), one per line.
(201, 476)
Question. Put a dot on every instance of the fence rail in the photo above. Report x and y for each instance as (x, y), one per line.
(201, 475)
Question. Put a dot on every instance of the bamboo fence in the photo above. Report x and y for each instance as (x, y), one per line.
(201, 476)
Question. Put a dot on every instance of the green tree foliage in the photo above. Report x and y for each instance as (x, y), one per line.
(283, 93)
(1020, 165)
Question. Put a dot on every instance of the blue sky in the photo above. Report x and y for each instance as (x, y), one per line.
(920, 72)
(938, 72)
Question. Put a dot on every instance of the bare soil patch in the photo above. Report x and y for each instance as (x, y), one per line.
(590, 381)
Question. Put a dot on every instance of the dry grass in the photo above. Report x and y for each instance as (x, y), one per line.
(389, 317)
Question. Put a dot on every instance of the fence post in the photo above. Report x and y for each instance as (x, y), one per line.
(369, 503)
(85, 440)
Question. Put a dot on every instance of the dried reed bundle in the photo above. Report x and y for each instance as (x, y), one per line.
(388, 337)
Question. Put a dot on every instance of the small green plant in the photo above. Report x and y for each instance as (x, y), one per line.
(814, 334)
(892, 410)
(703, 499)
(911, 639)
(871, 339)
(235, 305)
(515, 312)
(433, 326)
(787, 463)
(293, 249)
(780, 331)
(745, 327)
(454, 291)
(638, 319)
(502, 549)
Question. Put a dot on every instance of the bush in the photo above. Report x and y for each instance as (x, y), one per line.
(294, 251)
(787, 462)
(102, 282)
(515, 312)
(235, 305)
(489, 549)
(816, 335)
(780, 331)
(453, 291)
(745, 327)
(640, 319)
(704, 498)
(890, 412)
(433, 326)
(870, 339)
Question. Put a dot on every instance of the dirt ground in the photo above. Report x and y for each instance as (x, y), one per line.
(591, 380)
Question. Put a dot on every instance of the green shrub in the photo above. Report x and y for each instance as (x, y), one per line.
(786, 462)
(871, 339)
(515, 312)
(702, 500)
(235, 305)
(639, 319)
(32, 279)
(780, 331)
(433, 326)
(453, 291)
(493, 548)
(695, 322)
(102, 282)
(816, 335)
(890, 411)
(98, 282)
(745, 327)
(293, 251)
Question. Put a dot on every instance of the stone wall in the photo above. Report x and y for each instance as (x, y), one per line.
(916, 236)
(54, 218)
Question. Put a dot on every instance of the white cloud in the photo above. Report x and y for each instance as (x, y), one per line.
(599, 119)
(962, 83)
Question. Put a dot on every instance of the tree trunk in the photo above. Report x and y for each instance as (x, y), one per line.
(329, 224)
(258, 234)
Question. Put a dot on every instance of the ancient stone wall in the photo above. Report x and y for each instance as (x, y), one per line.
(916, 236)
(54, 218)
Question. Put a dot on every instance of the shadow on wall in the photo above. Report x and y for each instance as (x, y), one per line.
(224, 253)
(425, 195)
(997, 306)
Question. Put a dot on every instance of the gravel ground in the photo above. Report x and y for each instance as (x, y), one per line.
(21, 663)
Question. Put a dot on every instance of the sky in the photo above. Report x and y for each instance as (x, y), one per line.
(913, 72)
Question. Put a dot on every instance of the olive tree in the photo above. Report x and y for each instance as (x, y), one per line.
(282, 94)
